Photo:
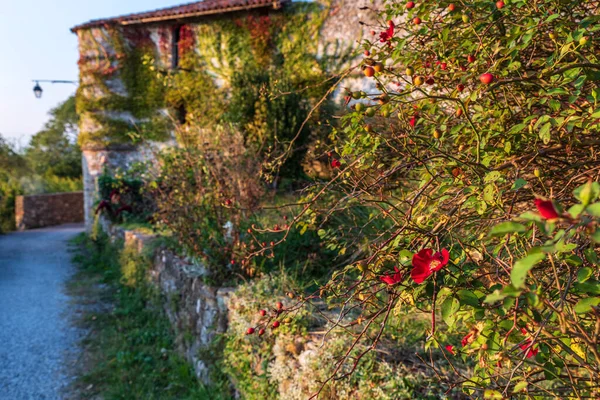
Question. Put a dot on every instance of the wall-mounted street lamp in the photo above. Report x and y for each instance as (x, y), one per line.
(37, 89)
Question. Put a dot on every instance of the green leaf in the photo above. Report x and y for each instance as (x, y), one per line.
(519, 183)
(533, 299)
(574, 260)
(594, 209)
(405, 257)
(584, 274)
(576, 210)
(467, 297)
(522, 267)
(489, 192)
(492, 395)
(587, 193)
(585, 305)
(507, 227)
(590, 287)
(449, 308)
(517, 128)
(596, 236)
(530, 216)
(591, 256)
(492, 177)
(498, 295)
(545, 133)
(495, 296)
(519, 387)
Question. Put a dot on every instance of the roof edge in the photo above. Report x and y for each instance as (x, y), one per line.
(146, 18)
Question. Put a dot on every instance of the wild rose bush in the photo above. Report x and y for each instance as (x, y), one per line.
(467, 187)
(206, 191)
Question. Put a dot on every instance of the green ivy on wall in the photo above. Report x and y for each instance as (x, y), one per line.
(259, 72)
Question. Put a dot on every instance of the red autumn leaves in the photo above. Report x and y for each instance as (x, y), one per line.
(424, 263)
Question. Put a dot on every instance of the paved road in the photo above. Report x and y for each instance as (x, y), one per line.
(35, 333)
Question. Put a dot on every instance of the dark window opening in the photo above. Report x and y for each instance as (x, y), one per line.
(181, 114)
(175, 45)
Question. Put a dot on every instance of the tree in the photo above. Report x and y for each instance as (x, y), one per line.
(54, 151)
(12, 166)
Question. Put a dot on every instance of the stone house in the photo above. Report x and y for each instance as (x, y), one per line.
(123, 59)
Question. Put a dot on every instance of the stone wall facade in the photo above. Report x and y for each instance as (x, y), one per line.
(48, 210)
(348, 22)
(97, 160)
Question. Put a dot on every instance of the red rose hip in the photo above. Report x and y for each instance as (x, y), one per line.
(486, 78)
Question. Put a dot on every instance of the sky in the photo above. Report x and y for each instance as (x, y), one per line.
(36, 43)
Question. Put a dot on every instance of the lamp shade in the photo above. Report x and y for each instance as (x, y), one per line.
(37, 90)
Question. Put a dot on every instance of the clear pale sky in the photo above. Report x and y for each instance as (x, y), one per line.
(36, 43)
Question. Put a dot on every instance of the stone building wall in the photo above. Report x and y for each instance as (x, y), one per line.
(96, 160)
(48, 210)
(349, 21)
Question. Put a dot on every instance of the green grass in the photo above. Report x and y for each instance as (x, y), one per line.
(130, 352)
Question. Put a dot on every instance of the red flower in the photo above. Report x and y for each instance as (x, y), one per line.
(387, 35)
(467, 339)
(546, 209)
(527, 347)
(392, 279)
(335, 163)
(413, 121)
(450, 349)
(425, 263)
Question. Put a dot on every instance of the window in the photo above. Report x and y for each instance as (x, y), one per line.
(181, 114)
(176, 36)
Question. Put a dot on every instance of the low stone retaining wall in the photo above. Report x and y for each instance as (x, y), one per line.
(48, 210)
(196, 311)
(199, 313)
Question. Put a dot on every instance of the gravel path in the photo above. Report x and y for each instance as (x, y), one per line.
(36, 336)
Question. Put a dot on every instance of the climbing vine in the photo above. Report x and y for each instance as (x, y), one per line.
(134, 90)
